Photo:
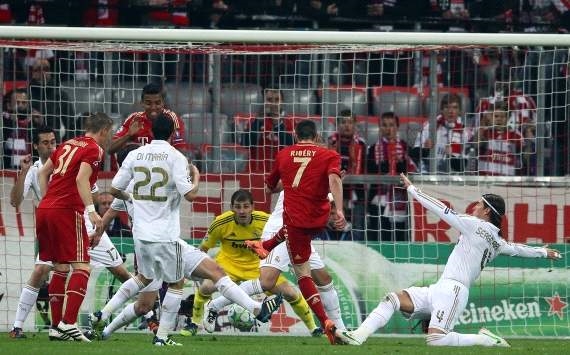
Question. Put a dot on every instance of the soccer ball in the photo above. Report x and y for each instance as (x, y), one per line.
(241, 318)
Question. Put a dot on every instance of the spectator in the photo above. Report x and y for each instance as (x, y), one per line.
(137, 127)
(46, 97)
(499, 146)
(264, 7)
(388, 203)
(267, 134)
(18, 120)
(352, 150)
(449, 140)
(116, 227)
(319, 10)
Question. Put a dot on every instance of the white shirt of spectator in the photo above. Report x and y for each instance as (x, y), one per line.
(161, 177)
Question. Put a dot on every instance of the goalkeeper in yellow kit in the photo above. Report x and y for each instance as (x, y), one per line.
(231, 229)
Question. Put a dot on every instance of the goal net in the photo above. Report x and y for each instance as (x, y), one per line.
(462, 120)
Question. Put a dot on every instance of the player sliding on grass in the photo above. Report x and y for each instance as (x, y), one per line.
(479, 243)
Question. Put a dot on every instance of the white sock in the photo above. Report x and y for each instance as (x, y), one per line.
(126, 316)
(169, 312)
(27, 301)
(379, 316)
(250, 287)
(457, 339)
(127, 290)
(329, 298)
(235, 294)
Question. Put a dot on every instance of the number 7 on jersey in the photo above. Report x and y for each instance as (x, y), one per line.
(304, 162)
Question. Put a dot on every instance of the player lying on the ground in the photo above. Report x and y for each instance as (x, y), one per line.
(443, 302)
(103, 255)
(277, 262)
(232, 229)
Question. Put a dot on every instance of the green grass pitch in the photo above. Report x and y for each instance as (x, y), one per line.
(38, 343)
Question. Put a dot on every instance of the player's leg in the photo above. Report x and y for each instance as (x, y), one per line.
(29, 296)
(167, 264)
(125, 292)
(382, 314)
(229, 289)
(201, 297)
(144, 303)
(169, 312)
(326, 288)
(299, 247)
(449, 299)
(292, 295)
(262, 249)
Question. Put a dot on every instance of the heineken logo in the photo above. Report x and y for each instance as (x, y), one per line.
(507, 311)
(504, 311)
(557, 305)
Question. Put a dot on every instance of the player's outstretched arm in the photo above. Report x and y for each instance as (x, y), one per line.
(436, 206)
(526, 251)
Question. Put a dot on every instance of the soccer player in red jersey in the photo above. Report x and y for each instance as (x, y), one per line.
(303, 169)
(60, 227)
(137, 127)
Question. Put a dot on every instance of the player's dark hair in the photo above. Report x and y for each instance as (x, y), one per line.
(497, 206)
(162, 127)
(41, 130)
(152, 89)
(97, 122)
(122, 154)
(306, 129)
(241, 195)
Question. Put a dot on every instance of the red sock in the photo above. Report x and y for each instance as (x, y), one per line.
(75, 294)
(277, 238)
(56, 291)
(309, 291)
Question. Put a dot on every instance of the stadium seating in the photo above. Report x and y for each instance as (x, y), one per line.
(299, 101)
(188, 97)
(94, 98)
(402, 100)
(201, 128)
(336, 99)
(128, 97)
(225, 159)
(410, 127)
(247, 98)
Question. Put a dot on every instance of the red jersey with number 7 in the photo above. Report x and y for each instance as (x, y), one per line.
(67, 158)
(304, 169)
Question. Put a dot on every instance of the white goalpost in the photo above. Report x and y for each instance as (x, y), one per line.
(217, 81)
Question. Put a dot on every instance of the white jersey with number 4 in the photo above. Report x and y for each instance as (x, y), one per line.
(161, 177)
(479, 242)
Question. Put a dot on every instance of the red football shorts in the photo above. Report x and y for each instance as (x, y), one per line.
(62, 236)
(299, 243)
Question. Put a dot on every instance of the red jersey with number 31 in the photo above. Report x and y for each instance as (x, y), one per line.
(62, 189)
(304, 169)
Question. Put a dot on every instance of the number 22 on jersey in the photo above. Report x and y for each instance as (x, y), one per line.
(147, 179)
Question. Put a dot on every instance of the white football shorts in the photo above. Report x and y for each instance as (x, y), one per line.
(442, 303)
(160, 260)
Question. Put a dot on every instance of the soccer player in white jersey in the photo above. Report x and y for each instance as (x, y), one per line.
(443, 302)
(103, 255)
(161, 175)
(277, 261)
